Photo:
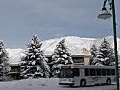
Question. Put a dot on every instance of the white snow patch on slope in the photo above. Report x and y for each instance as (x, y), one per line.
(15, 55)
(74, 44)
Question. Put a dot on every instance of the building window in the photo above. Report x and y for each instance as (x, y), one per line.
(78, 59)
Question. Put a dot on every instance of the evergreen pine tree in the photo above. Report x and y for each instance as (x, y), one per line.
(60, 56)
(4, 64)
(34, 63)
(105, 56)
(93, 51)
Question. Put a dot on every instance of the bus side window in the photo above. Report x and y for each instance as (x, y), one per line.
(87, 72)
(98, 72)
(92, 72)
(103, 72)
(112, 71)
(108, 72)
(76, 72)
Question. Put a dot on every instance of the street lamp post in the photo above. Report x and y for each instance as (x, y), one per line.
(107, 15)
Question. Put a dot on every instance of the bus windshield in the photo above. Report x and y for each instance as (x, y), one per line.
(66, 73)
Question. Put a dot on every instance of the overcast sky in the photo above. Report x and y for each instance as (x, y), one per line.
(20, 19)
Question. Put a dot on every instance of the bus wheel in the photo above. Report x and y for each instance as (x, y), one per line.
(108, 81)
(83, 82)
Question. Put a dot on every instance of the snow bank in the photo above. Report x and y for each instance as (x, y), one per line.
(30, 84)
(47, 84)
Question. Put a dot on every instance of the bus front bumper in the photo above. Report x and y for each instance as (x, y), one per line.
(66, 83)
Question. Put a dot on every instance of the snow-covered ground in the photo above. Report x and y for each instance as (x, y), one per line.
(47, 84)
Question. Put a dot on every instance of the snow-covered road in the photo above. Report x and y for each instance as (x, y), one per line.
(47, 84)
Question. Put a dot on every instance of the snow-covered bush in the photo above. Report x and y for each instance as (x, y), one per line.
(4, 64)
(61, 56)
(33, 64)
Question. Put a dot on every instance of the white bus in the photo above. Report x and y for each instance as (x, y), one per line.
(76, 75)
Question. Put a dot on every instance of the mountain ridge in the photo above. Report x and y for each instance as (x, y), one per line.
(74, 44)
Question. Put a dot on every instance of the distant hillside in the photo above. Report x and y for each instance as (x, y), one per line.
(74, 44)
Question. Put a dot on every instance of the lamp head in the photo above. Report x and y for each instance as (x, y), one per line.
(105, 14)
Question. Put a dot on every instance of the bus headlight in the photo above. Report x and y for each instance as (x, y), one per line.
(71, 80)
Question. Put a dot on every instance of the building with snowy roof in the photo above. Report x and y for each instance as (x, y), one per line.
(81, 58)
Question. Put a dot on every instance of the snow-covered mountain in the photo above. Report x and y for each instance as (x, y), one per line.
(74, 44)
(15, 55)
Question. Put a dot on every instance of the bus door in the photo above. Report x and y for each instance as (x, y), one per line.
(76, 75)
